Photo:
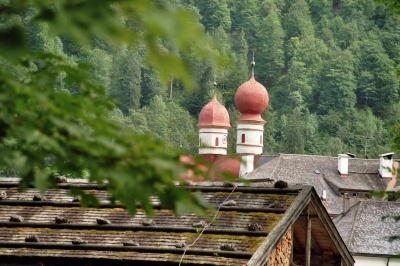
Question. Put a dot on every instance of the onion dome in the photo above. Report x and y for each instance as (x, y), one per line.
(214, 114)
(251, 99)
(225, 164)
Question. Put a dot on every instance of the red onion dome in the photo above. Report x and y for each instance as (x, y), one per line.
(225, 164)
(214, 114)
(251, 99)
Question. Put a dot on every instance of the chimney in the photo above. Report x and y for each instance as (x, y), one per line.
(346, 202)
(246, 165)
(343, 164)
(386, 165)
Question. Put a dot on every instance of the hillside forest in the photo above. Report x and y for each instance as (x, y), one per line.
(329, 68)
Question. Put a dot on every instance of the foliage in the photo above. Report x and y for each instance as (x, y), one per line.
(392, 6)
(54, 109)
(395, 132)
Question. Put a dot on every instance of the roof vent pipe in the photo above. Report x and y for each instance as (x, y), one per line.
(386, 165)
(343, 164)
(323, 195)
(346, 202)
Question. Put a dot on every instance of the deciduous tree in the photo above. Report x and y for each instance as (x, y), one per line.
(39, 120)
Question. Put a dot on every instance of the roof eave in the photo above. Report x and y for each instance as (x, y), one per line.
(261, 255)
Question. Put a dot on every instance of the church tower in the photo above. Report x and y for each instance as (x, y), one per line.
(251, 99)
(213, 127)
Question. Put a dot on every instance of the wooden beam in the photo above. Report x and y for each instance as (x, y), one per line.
(308, 241)
(302, 222)
(326, 220)
(291, 249)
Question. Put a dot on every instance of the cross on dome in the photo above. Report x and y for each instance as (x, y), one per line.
(252, 65)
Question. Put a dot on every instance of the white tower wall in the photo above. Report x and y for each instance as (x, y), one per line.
(249, 137)
(208, 143)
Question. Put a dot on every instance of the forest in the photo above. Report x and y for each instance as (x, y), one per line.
(330, 68)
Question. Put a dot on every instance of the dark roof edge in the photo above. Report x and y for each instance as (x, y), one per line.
(392, 256)
(287, 220)
(343, 189)
(59, 185)
(196, 186)
(331, 229)
(71, 226)
(294, 189)
(221, 253)
(109, 205)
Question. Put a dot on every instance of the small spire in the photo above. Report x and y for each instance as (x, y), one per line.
(215, 84)
(252, 65)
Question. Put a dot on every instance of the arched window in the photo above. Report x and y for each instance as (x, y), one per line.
(260, 139)
(216, 141)
(243, 138)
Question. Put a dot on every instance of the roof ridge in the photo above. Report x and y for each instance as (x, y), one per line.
(360, 203)
(325, 156)
(276, 165)
(306, 155)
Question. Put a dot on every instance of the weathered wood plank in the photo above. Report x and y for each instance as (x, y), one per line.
(308, 241)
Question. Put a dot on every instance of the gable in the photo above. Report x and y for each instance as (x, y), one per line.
(306, 218)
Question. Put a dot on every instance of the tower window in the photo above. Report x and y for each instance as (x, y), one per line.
(200, 142)
(243, 138)
(216, 141)
(260, 139)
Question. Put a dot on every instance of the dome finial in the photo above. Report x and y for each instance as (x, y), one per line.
(215, 84)
(252, 65)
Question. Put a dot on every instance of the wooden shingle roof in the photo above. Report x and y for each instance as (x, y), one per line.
(229, 240)
(321, 173)
(365, 230)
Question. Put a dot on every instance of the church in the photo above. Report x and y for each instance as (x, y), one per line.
(251, 99)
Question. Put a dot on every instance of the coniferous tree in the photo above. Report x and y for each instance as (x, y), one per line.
(214, 14)
(293, 132)
(126, 79)
(297, 21)
(271, 55)
(102, 63)
(243, 14)
(386, 89)
(338, 84)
